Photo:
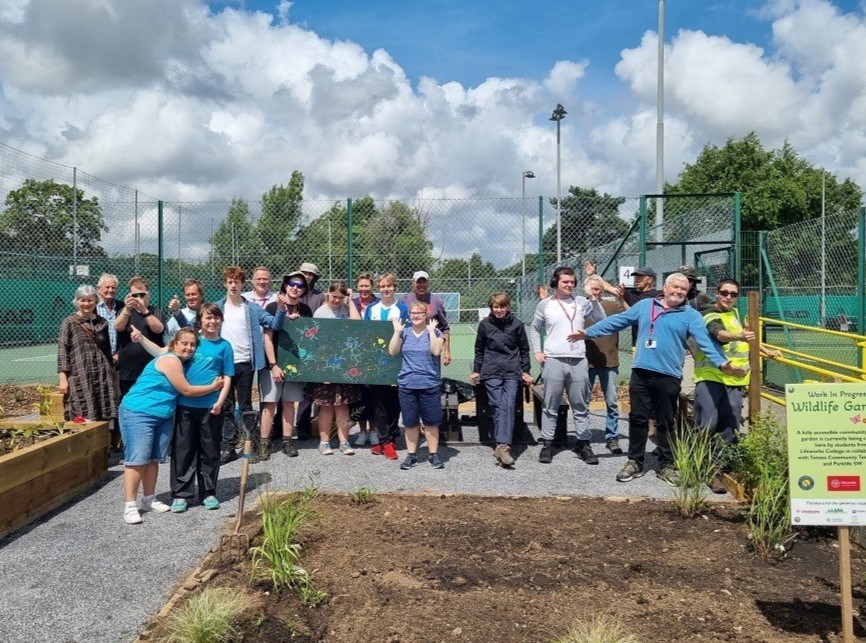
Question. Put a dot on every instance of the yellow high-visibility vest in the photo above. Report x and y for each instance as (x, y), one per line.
(736, 351)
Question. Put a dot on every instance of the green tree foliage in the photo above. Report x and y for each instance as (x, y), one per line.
(39, 218)
(236, 241)
(323, 242)
(589, 220)
(778, 187)
(281, 214)
(392, 239)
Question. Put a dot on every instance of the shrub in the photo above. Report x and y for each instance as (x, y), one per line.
(363, 495)
(208, 617)
(693, 452)
(600, 629)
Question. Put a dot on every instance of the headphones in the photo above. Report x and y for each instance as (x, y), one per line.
(554, 280)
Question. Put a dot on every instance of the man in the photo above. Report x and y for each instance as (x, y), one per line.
(108, 307)
(719, 396)
(242, 329)
(313, 298)
(564, 360)
(663, 326)
(602, 354)
(435, 308)
(365, 298)
(137, 312)
(193, 294)
(261, 293)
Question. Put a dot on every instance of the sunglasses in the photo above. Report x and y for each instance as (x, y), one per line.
(140, 295)
(727, 293)
(297, 284)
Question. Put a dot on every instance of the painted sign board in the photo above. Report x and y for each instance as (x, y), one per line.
(827, 453)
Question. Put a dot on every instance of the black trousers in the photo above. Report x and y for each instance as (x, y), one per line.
(387, 402)
(652, 395)
(195, 452)
(242, 392)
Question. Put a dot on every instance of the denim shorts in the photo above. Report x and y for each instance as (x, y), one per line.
(146, 438)
(421, 405)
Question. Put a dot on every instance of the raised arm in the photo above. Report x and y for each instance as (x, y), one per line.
(154, 349)
(396, 342)
(173, 370)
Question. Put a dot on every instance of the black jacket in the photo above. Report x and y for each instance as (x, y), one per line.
(501, 348)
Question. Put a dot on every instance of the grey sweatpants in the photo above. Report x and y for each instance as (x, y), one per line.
(569, 374)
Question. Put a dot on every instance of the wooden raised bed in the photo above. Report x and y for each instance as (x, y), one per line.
(41, 477)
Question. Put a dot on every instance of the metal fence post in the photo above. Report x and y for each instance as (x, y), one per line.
(861, 275)
(75, 224)
(349, 239)
(159, 256)
(540, 266)
(642, 233)
(738, 250)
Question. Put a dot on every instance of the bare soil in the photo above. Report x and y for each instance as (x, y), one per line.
(18, 400)
(430, 568)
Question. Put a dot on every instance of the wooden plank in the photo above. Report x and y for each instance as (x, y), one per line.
(21, 466)
(36, 497)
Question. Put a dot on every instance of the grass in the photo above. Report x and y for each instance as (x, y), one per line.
(599, 629)
(277, 559)
(693, 453)
(208, 617)
(363, 495)
(769, 515)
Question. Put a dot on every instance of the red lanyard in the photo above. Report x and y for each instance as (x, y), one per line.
(571, 317)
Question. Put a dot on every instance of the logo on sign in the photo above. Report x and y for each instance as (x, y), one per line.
(843, 483)
(806, 483)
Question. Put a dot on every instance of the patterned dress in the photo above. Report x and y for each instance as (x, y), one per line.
(84, 354)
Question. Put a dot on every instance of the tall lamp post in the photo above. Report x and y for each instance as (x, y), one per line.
(528, 174)
(558, 114)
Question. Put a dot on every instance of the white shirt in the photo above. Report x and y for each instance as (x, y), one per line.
(261, 301)
(236, 331)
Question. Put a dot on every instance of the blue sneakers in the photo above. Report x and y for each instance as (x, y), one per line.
(211, 503)
(178, 506)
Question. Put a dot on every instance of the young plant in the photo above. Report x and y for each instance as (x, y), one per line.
(694, 458)
(208, 617)
(363, 495)
(769, 515)
(600, 629)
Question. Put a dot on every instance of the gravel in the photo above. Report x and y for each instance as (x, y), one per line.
(81, 574)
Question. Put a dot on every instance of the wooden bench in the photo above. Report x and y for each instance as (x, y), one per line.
(484, 416)
(560, 438)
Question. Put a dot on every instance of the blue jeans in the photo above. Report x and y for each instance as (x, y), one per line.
(501, 395)
(608, 377)
(145, 437)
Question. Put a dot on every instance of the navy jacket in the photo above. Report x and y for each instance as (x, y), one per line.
(501, 348)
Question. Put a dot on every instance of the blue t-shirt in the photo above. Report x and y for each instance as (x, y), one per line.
(212, 358)
(380, 312)
(152, 393)
(420, 368)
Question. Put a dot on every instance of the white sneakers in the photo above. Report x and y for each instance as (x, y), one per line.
(154, 505)
(132, 512)
(131, 516)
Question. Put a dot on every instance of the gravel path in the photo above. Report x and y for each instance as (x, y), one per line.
(80, 574)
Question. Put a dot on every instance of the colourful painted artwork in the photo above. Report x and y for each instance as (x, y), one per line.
(337, 351)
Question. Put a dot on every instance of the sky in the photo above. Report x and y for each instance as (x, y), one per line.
(198, 101)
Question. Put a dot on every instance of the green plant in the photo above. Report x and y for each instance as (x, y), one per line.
(694, 458)
(764, 449)
(363, 495)
(208, 617)
(769, 515)
(44, 409)
(599, 629)
(277, 558)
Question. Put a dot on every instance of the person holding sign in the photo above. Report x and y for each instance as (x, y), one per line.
(663, 326)
(719, 396)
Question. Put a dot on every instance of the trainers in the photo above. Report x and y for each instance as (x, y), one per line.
(717, 485)
(154, 505)
(435, 462)
(584, 452)
(289, 449)
(670, 475)
(388, 450)
(545, 456)
(374, 438)
(346, 449)
(629, 472)
(377, 450)
(362, 438)
(178, 506)
(131, 516)
(325, 448)
(410, 461)
(227, 456)
(612, 445)
(503, 455)
(211, 503)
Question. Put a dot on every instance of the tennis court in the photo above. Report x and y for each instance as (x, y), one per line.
(29, 364)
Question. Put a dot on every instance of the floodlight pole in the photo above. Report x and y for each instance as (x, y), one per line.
(660, 126)
(557, 116)
(528, 174)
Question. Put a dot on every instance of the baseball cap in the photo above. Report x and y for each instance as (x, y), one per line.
(645, 271)
(420, 274)
(309, 267)
(689, 272)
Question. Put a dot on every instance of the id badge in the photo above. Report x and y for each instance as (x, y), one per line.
(650, 343)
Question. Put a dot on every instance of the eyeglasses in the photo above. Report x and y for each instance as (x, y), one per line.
(727, 293)
(414, 314)
(297, 284)
(140, 295)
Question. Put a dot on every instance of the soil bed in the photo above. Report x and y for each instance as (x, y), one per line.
(19, 400)
(430, 568)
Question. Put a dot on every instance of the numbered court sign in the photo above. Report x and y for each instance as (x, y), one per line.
(625, 276)
(337, 351)
(827, 453)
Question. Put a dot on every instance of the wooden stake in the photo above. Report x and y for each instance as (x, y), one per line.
(845, 585)
(754, 358)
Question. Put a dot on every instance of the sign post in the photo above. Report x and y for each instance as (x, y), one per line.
(826, 463)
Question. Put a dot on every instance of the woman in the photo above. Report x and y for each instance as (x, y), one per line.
(88, 380)
(333, 400)
(501, 362)
(272, 387)
(419, 381)
(146, 415)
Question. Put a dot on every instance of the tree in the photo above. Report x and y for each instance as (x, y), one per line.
(589, 220)
(235, 240)
(778, 187)
(392, 240)
(40, 218)
(281, 214)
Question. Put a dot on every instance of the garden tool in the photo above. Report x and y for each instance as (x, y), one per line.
(236, 545)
